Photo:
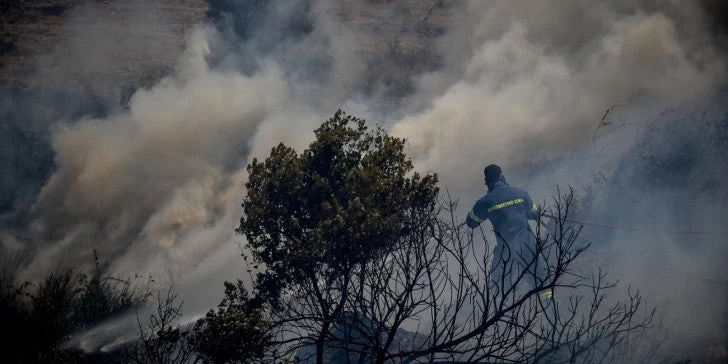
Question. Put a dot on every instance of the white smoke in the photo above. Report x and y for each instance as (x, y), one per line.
(156, 188)
(529, 82)
(158, 174)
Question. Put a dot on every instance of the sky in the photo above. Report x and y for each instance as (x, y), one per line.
(155, 186)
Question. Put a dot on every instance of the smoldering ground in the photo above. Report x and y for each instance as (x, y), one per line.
(156, 187)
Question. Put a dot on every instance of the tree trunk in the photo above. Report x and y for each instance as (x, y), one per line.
(320, 341)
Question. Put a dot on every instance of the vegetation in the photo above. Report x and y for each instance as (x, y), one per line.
(356, 257)
(42, 316)
(165, 341)
(362, 259)
(236, 332)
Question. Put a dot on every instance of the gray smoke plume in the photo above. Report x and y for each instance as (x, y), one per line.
(156, 187)
(526, 85)
(158, 172)
(527, 82)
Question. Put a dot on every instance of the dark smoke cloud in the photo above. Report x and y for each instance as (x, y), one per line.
(263, 22)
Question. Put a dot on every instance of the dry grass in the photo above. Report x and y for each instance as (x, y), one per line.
(32, 28)
(398, 46)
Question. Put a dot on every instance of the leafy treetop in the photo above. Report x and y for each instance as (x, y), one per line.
(349, 196)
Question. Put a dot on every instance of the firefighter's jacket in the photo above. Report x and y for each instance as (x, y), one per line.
(508, 208)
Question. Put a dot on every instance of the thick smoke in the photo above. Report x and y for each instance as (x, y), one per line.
(527, 82)
(156, 187)
(526, 86)
(160, 167)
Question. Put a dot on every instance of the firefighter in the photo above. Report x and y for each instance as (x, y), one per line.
(508, 208)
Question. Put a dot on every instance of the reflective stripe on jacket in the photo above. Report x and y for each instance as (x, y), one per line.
(508, 208)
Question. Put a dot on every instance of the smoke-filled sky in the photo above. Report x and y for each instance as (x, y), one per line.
(529, 82)
(156, 187)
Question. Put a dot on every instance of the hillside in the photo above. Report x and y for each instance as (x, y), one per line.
(41, 41)
(34, 34)
(61, 60)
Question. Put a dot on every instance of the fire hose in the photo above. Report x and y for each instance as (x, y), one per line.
(633, 228)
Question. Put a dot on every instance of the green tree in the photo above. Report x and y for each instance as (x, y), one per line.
(356, 250)
(236, 332)
(314, 219)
